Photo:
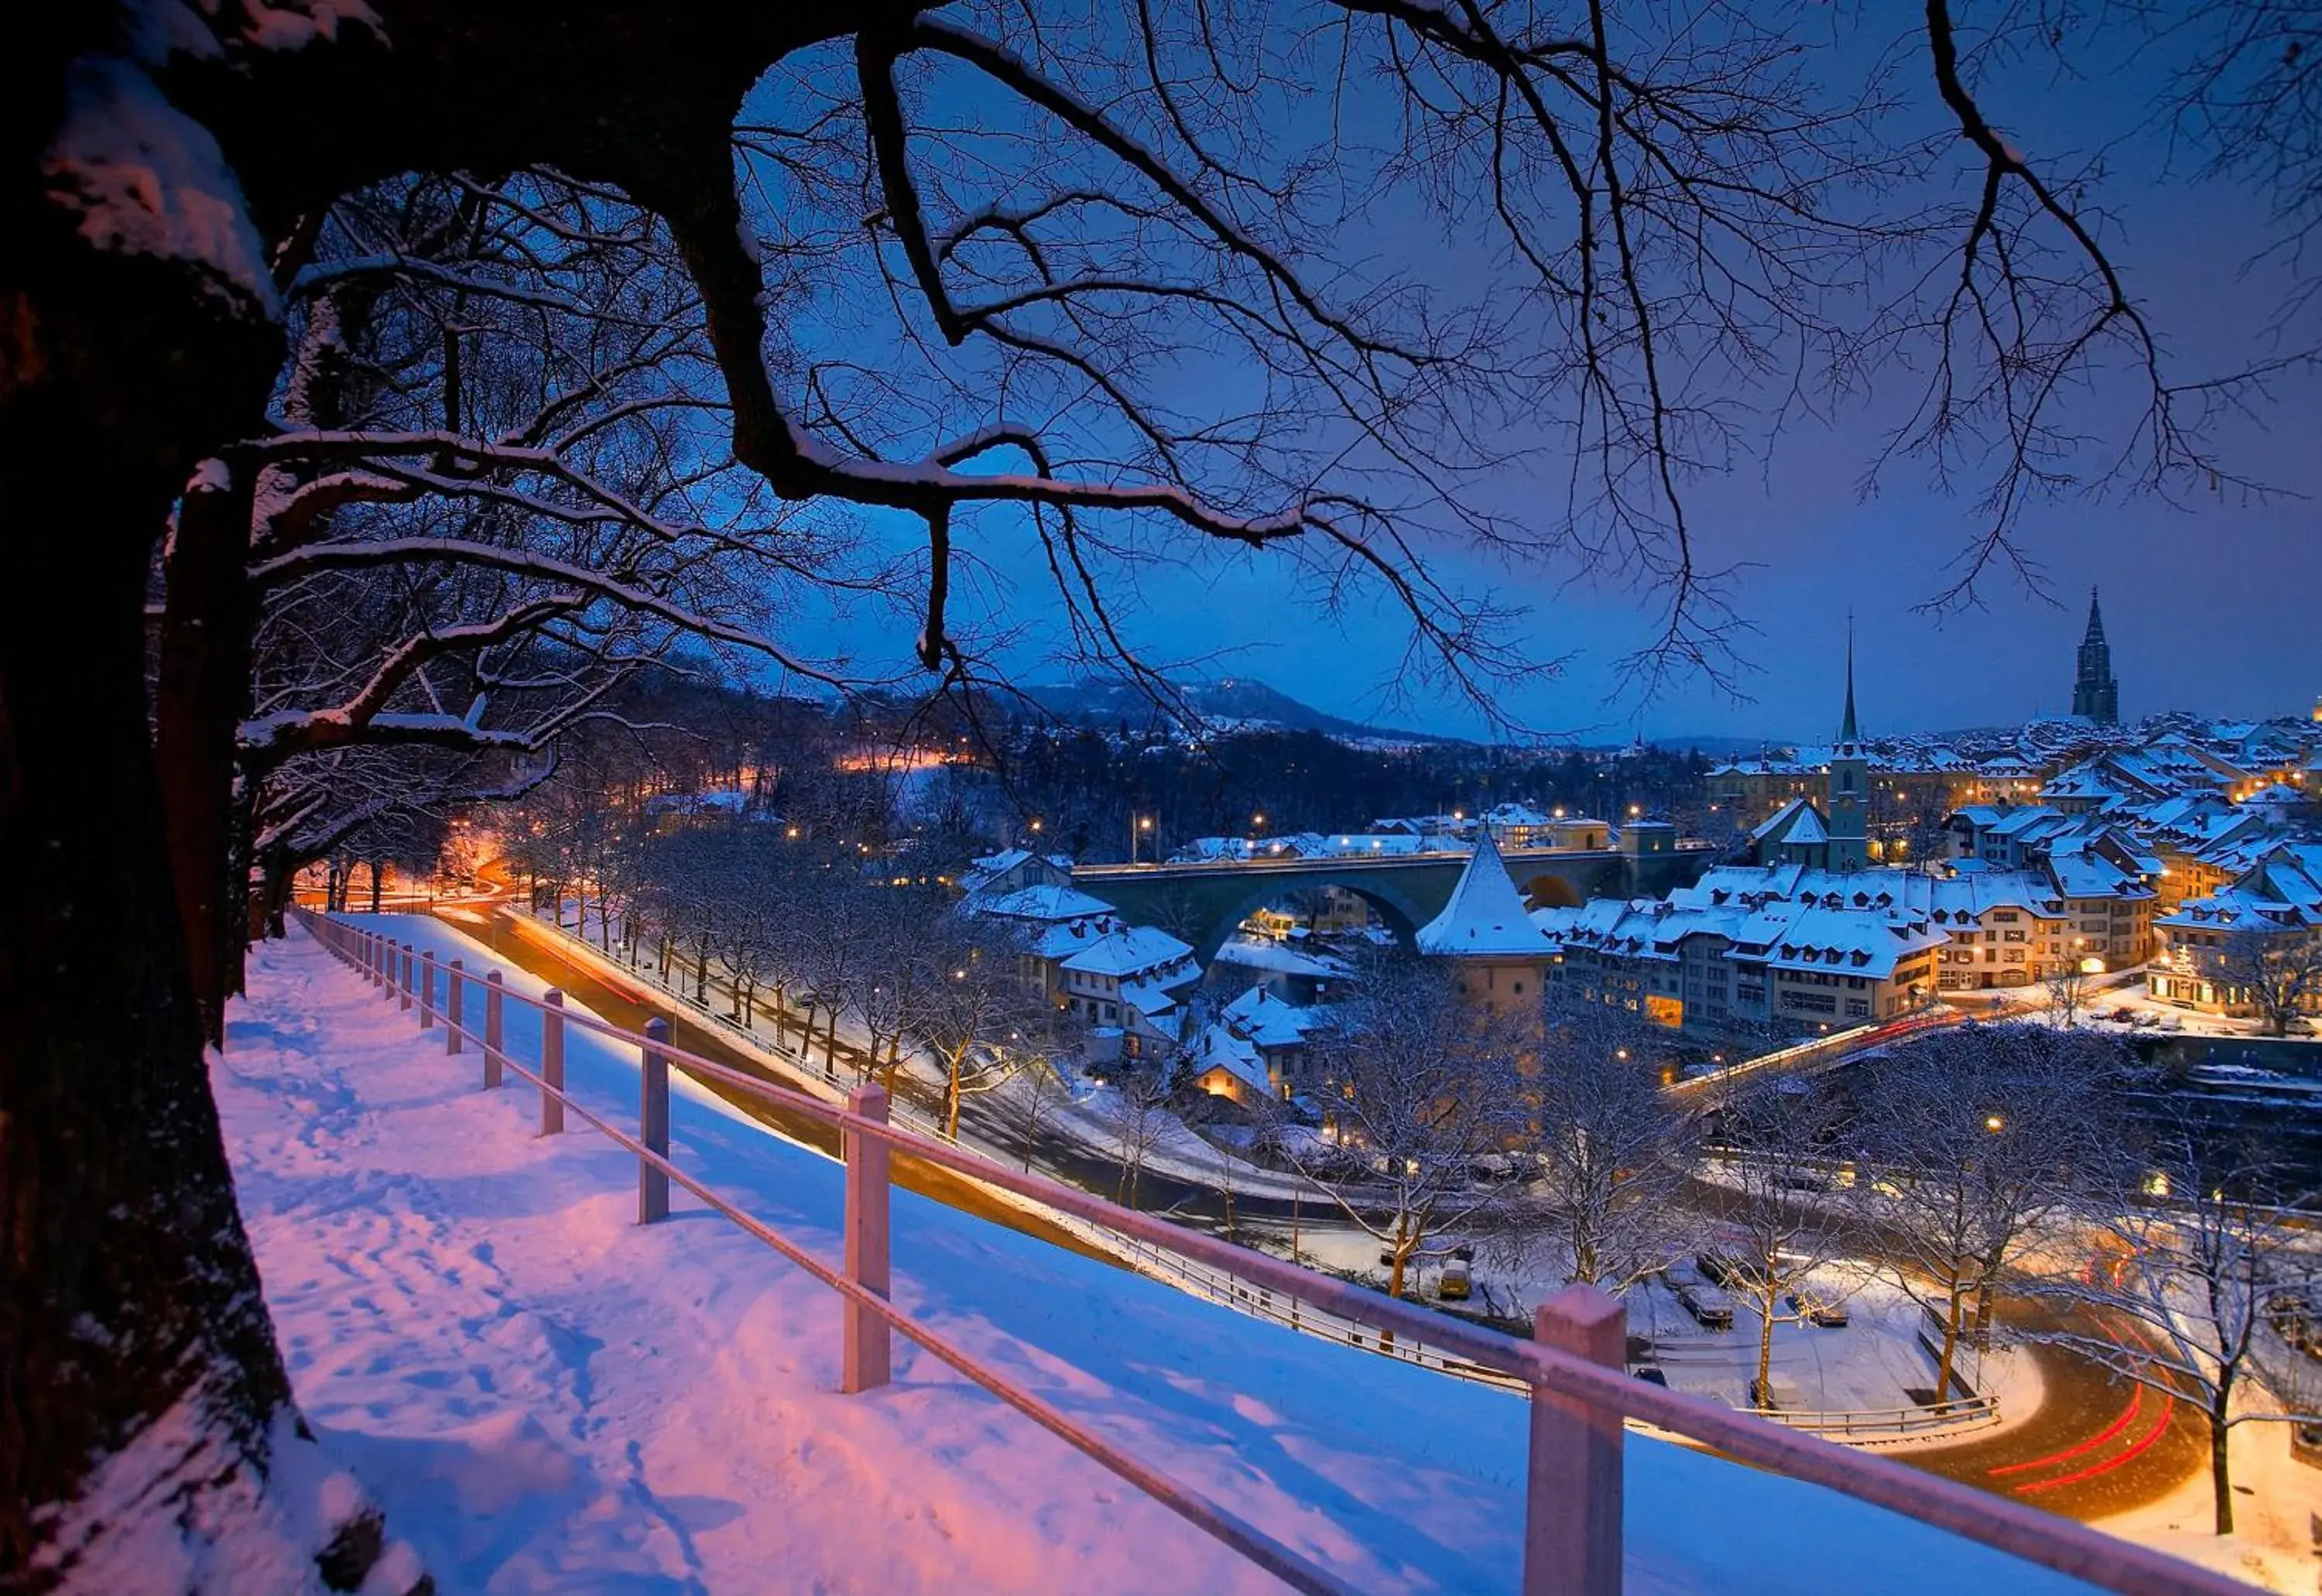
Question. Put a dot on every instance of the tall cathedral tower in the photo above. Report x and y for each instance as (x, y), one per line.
(1850, 782)
(2096, 694)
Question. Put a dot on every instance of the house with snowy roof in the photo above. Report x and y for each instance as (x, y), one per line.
(2253, 949)
(1258, 1046)
(1712, 961)
(1999, 927)
(1486, 934)
(1136, 978)
(1011, 870)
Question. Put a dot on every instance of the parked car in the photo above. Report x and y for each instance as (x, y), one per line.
(1455, 1281)
(1816, 1309)
(1711, 1308)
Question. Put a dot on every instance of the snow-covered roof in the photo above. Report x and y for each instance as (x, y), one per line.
(1064, 938)
(1258, 952)
(1485, 915)
(1042, 904)
(1797, 821)
(1268, 1021)
(1128, 950)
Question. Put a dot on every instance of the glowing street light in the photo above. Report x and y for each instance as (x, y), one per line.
(1994, 1124)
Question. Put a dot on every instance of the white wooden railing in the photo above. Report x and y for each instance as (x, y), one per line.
(1572, 1368)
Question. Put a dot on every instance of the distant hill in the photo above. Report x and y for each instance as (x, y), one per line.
(1714, 746)
(1228, 704)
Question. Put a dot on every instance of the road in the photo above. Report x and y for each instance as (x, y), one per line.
(2099, 1445)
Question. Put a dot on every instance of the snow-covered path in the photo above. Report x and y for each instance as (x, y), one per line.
(548, 1398)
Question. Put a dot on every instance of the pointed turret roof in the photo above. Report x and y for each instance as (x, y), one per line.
(2095, 633)
(1486, 915)
(1846, 732)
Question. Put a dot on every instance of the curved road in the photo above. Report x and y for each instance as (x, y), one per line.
(2099, 1444)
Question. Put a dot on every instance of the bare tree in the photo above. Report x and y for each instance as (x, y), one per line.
(2194, 1263)
(1041, 1089)
(2279, 973)
(1967, 1144)
(983, 1025)
(1613, 1155)
(1137, 1114)
(1418, 1084)
(1774, 1141)
(2066, 992)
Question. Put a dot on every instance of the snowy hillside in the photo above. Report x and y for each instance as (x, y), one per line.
(546, 1397)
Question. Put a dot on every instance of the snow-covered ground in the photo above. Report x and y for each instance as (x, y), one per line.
(2277, 1540)
(547, 1397)
(1874, 1362)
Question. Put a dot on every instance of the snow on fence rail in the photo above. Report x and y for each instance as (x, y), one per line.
(1579, 1389)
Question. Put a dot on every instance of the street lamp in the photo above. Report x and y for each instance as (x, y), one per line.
(1994, 1124)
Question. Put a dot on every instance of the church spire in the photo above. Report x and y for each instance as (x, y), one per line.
(2096, 694)
(1846, 732)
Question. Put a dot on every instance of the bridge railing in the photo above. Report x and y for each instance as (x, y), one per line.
(1572, 1368)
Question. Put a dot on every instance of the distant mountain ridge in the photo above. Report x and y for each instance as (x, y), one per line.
(1228, 704)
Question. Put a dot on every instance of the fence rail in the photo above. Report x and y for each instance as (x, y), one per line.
(1578, 1389)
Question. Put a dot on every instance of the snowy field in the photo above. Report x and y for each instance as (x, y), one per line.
(548, 1398)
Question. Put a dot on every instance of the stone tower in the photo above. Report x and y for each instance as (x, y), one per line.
(1850, 782)
(2096, 694)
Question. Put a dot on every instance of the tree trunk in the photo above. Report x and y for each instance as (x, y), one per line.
(2221, 1468)
(202, 692)
(1761, 1391)
(130, 1315)
(1946, 1359)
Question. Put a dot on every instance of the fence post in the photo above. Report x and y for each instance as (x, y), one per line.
(552, 1062)
(1572, 1510)
(865, 1353)
(495, 989)
(402, 994)
(427, 988)
(378, 961)
(652, 1121)
(453, 1006)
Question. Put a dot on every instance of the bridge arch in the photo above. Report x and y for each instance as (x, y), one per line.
(1550, 891)
(1402, 917)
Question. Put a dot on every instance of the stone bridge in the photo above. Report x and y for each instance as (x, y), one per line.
(1204, 903)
